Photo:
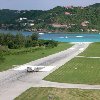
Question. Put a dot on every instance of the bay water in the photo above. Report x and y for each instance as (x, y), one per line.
(63, 37)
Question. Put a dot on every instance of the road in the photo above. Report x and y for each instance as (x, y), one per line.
(13, 83)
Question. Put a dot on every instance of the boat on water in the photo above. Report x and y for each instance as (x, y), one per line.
(61, 37)
(66, 37)
(79, 36)
(41, 33)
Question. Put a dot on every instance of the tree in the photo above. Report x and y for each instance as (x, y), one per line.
(19, 40)
(34, 36)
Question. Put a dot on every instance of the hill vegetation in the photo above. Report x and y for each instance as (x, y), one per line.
(58, 19)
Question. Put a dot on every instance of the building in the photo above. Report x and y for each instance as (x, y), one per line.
(59, 25)
(67, 13)
(85, 23)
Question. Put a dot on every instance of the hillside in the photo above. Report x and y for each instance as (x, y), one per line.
(95, 5)
(58, 19)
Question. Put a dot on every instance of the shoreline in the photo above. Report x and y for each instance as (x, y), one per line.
(47, 32)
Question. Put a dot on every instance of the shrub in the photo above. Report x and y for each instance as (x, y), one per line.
(41, 42)
(50, 43)
(28, 43)
(10, 45)
(34, 43)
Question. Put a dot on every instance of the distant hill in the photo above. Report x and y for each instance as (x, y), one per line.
(95, 5)
(58, 19)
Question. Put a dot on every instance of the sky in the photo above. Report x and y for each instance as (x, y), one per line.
(42, 4)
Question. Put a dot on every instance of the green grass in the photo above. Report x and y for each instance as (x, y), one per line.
(79, 70)
(30, 56)
(87, 72)
(93, 50)
(59, 94)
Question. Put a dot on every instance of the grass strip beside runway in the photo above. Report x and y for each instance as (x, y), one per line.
(92, 51)
(59, 94)
(80, 70)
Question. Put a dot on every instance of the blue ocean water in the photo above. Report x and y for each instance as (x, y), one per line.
(93, 37)
(63, 37)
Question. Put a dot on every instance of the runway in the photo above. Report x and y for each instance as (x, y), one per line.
(13, 83)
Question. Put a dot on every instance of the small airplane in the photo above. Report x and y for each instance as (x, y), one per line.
(29, 68)
(34, 68)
